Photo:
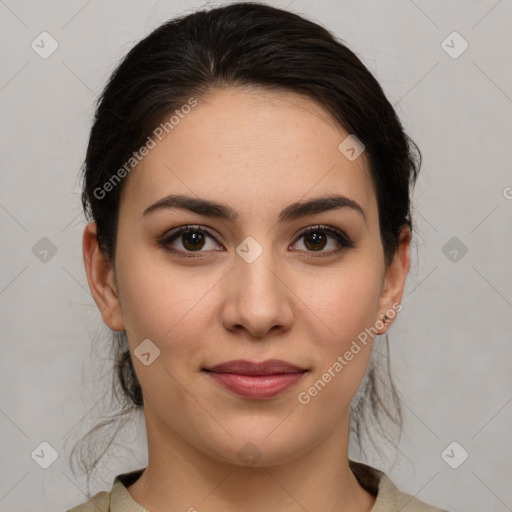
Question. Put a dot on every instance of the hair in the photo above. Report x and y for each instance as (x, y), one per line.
(254, 45)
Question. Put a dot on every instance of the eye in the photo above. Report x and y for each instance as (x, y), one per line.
(195, 238)
(316, 238)
(191, 239)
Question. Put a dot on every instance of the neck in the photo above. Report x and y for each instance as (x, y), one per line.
(178, 476)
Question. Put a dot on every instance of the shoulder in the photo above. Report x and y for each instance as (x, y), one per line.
(100, 502)
(117, 499)
(406, 502)
(388, 498)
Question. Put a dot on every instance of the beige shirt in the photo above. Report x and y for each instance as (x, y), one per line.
(388, 497)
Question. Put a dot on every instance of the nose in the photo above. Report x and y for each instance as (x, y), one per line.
(258, 298)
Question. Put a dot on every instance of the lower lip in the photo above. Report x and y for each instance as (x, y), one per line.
(257, 386)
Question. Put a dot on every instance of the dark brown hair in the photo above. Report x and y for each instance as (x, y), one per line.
(248, 45)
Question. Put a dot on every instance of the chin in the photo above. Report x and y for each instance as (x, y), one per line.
(258, 449)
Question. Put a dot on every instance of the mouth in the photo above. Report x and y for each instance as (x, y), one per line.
(254, 380)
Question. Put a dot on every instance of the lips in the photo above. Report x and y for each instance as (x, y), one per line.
(256, 380)
(269, 367)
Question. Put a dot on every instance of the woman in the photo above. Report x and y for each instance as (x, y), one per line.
(248, 183)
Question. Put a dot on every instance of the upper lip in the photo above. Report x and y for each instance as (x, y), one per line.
(268, 367)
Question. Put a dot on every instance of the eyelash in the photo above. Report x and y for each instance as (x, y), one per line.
(340, 237)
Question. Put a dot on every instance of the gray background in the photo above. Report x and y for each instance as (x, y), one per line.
(451, 345)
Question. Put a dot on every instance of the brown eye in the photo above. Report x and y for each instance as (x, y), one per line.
(191, 239)
(316, 238)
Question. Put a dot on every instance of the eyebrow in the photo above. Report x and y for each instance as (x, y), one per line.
(216, 210)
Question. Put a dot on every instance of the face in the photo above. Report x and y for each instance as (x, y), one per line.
(246, 280)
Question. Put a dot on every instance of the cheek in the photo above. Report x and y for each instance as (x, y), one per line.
(162, 302)
(345, 301)
(343, 307)
(170, 308)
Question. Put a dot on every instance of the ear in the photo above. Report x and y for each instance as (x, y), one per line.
(100, 275)
(394, 282)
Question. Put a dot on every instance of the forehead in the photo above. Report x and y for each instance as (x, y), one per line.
(251, 149)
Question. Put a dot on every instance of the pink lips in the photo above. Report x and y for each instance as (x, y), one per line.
(256, 380)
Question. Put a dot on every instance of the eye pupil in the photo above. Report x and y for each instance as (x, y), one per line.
(316, 236)
(193, 240)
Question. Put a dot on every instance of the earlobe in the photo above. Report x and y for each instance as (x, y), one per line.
(100, 276)
(394, 281)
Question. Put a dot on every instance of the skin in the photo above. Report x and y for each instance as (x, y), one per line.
(257, 152)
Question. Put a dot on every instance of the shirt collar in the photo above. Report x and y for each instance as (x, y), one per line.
(371, 479)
